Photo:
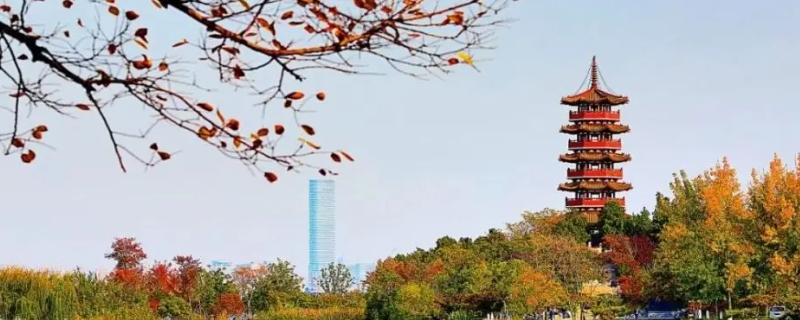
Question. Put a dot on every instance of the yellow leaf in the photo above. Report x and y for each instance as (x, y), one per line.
(244, 4)
(465, 57)
(309, 143)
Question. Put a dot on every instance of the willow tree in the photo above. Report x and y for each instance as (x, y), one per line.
(105, 56)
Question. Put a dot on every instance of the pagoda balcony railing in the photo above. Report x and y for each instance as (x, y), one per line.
(594, 173)
(588, 144)
(594, 115)
(592, 202)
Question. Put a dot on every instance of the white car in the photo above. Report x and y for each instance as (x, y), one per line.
(777, 312)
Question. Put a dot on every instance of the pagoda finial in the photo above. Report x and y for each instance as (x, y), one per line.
(594, 73)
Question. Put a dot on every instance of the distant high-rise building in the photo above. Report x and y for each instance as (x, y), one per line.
(321, 229)
(359, 273)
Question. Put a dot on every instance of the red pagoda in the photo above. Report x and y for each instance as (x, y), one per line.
(594, 180)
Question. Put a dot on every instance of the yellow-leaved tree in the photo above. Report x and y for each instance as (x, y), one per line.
(775, 200)
(726, 225)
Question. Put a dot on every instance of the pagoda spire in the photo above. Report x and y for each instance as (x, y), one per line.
(594, 73)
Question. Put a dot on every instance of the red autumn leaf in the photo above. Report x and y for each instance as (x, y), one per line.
(320, 96)
(131, 15)
(17, 142)
(82, 106)
(28, 157)
(297, 95)
(308, 129)
(279, 129)
(232, 124)
(271, 177)
(154, 146)
(205, 106)
(164, 156)
(263, 132)
(335, 157)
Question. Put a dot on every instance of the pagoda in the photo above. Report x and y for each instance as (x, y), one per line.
(594, 180)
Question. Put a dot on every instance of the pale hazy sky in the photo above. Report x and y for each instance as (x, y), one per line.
(455, 157)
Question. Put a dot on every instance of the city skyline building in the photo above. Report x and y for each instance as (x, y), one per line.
(321, 229)
(359, 273)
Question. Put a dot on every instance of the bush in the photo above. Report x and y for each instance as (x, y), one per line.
(331, 313)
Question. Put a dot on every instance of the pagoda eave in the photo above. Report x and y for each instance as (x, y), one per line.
(594, 128)
(594, 157)
(594, 186)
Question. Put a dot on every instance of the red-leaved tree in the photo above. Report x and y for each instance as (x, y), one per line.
(630, 255)
(138, 65)
(128, 254)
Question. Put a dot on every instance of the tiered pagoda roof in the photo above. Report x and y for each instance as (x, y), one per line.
(594, 95)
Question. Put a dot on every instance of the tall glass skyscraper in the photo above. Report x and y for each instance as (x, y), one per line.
(321, 229)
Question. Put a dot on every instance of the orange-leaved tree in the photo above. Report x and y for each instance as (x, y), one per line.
(69, 57)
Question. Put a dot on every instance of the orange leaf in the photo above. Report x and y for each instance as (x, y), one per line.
(205, 133)
(28, 156)
(154, 146)
(310, 29)
(263, 132)
(113, 10)
(237, 141)
(232, 124)
(82, 106)
(308, 129)
(336, 157)
(157, 4)
(287, 15)
(271, 177)
(244, 4)
(41, 128)
(297, 95)
(452, 61)
(205, 106)
(163, 66)
(131, 15)
(36, 134)
(346, 155)
(279, 129)
(320, 96)
(180, 43)
(262, 22)
(164, 156)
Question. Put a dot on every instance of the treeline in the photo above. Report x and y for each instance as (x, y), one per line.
(179, 289)
(709, 245)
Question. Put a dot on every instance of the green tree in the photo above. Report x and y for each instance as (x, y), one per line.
(573, 225)
(279, 287)
(613, 220)
(335, 278)
(416, 301)
(211, 284)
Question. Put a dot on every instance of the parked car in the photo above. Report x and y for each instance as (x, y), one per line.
(778, 312)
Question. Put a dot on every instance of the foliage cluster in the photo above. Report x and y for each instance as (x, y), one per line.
(180, 289)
